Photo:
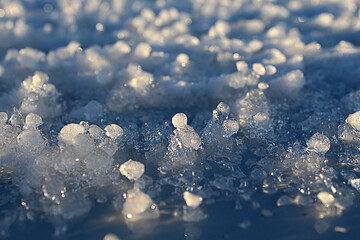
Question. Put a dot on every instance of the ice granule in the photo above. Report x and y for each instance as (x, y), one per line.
(111, 236)
(98, 161)
(189, 138)
(138, 205)
(3, 118)
(289, 83)
(193, 215)
(113, 131)
(326, 198)
(32, 120)
(230, 127)
(133, 170)
(192, 200)
(69, 132)
(319, 143)
(321, 226)
(284, 201)
(179, 120)
(245, 224)
(354, 120)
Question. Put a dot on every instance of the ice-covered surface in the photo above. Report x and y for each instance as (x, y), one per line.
(231, 109)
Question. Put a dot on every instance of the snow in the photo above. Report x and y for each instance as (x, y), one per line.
(138, 205)
(217, 101)
(192, 200)
(113, 131)
(133, 170)
(179, 120)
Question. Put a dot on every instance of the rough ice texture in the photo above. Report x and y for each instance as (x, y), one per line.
(266, 95)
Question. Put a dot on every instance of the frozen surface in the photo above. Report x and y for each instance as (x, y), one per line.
(141, 119)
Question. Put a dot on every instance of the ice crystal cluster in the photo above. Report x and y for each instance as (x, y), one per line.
(159, 109)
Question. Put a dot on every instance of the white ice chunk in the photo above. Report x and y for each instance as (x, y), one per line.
(179, 120)
(111, 236)
(113, 131)
(139, 205)
(242, 66)
(183, 59)
(326, 198)
(319, 143)
(354, 120)
(259, 68)
(32, 120)
(192, 200)
(230, 127)
(93, 110)
(30, 141)
(133, 170)
(3, 118)
(69, 132)
(142, 50)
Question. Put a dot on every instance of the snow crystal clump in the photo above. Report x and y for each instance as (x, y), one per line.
(133, 170)
(138, 206)
(32, 120)
(179, 120)
(113, 131)
(192, 200)
(69, 132)
(319, 143)
(354, 120)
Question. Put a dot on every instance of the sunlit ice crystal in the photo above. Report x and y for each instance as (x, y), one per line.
(179, 120)
(113, 131)
(69, 132)
(192, 200)
(32, 120)
(133, 170)
(138, 206)
(354, 120)
(319, 143)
